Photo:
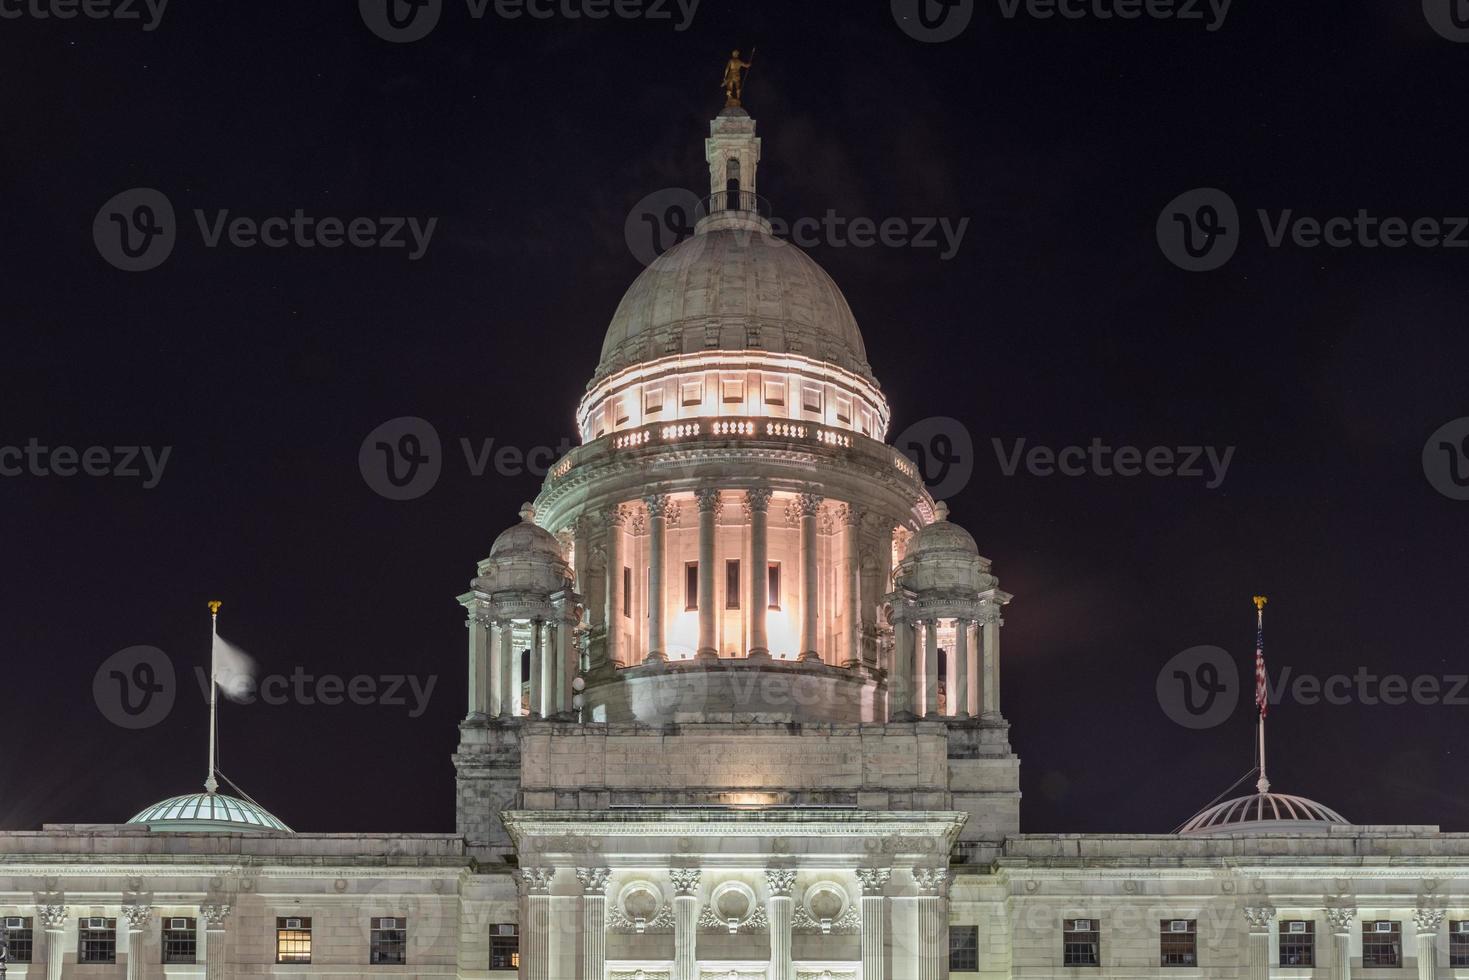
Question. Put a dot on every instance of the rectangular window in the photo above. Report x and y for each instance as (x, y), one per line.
(844, 408)
(504, 947)
(963, 949)
(293, 940)
(626, 592)
(180, 939)
(619, 411)
(1382, 943)
(19, 928)
(389, 941)
(775, 393)
(811, 399)
(1297, 943)
(1081, 942)
(652, 400)
(1458, 943)
(732, 391)
(691, 392)
(690, 585)
(775, 585)
(732, 583)
(96, 940)
(1178, 942)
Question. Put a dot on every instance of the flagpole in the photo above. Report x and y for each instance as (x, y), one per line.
(1263, 784)
(210, 783)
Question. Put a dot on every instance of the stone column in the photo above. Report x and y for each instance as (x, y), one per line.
(136, 919)
(1340, 920)
(685, 922)
(1428, 921)
(1259, 918)
(901, 682)
(478, 626)
(757, 505)
(852, 545)
(810, 506)
(959, 665)
(709, 505)
(550, 645)
(509, 671)
(537, 655)
(214, 916)
(930, 668)
(53, 920)
(780, 913)
(616, 519)
(657, 523)
(593, 921)
(568, 657)
(874, 926)
(931, 923)
(990, 626)
(535, 919)
(497, 670)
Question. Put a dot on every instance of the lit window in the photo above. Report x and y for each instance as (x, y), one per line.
(626, 592)
(19, 928)
(389, 941)
(732, 583)
(732, 391)
(96, 940)
(1382, 943)
(653, 400)
(1458, 943)
(1297, 943)
(1081, 942)
(293, 940)
(775, 585)
(691, 392)
(180, 939)
(504, 947)
(1178, 942)
(775, 393)
(963, 948)
(691, 585)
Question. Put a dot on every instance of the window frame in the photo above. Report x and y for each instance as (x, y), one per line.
(1072, 936)
(772, 585)
(1458, 945)
(22, 937)
(105, 939)
(302, 934)
(381, 942)
(690, 586)
(1307, 947)
(963, 941)
(732, 583)
(1187, 956)
(179, 946)
(510, 954)
(1394, 943)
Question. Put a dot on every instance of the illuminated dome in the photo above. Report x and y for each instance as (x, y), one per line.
(524, 558)
(209, 813)
(942, 555)
(526, 539)
(1263, 813)
(734, 289)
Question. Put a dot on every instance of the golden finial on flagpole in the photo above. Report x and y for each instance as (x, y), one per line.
(1260, 602)
(214, 605)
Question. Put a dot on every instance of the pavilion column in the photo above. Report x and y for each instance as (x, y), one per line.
(136, 917)
(1259, 918)
(495, 667)
(1340, 920)
(550, 644)
(874, 925)
(990, 623)
(851, 526)
(478, 625)
(1428, 921)
(931, 923)
(780, 913)
(535, 919)
(214, 916)
(568, 657)
(509, 670)
(901, 684)
(810, 507)
(593, 922)
(930, 668)
(709, 506)
(616, 519)
(658, 505)
(537, 655)
(685, 922)
(757, 506)
(959, 667)
(53, 918)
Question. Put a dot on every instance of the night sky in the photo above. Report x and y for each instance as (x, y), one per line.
(1058, 321)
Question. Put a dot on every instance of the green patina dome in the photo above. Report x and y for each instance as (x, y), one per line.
(209, 813)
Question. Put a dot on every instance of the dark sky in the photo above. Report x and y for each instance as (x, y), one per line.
(1059, 320)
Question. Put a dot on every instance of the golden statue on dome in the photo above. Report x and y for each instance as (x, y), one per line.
(734, 81)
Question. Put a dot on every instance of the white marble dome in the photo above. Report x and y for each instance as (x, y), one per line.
(733, 289)
(942, 555)
(525, 558)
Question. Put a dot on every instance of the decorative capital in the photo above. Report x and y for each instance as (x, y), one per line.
(1340, 919)
(593, 880)
(614, 516)
(1259, 916)
(810, 504)
(137, 916)
(52, 916)
(931, 881)
(1428, 920)
(850, 515)
(214, 914)
(685, 880)
(872, 880)
(781, 881)
(757, 500)
(658, 504)
(710, 500)
(537, 880)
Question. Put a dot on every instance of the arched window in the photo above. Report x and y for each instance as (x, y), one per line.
(732, 184)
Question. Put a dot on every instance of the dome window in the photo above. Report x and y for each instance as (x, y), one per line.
(652, 401)
(775, 393)
(732, 391)
(691, 393)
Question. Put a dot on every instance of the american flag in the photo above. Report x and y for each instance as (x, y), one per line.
(1261, 701)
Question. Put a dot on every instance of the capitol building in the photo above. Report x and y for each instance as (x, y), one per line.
(733, 712)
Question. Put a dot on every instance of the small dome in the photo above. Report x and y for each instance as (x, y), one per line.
(943, 556)
(733, 289)
(1264, 813)
(209, 813)
(526, 539)
(942, 537)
